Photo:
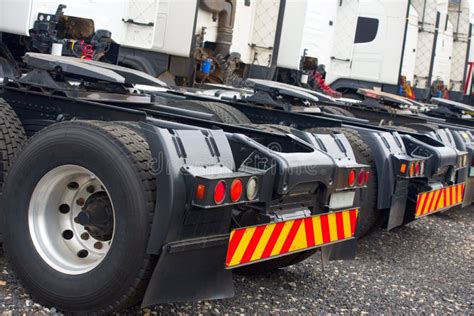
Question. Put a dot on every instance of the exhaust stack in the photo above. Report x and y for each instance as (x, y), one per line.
(225, 27)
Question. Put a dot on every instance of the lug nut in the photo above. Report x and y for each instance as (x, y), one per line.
(64, 208)
(98, 245)
(84, 236)
(90, 189)
(73, 185)
(82, 253)
(80, 201)
(68, 234)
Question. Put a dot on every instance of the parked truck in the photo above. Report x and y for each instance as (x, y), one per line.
(114, 190)
(408, 175)
(380, 43)
(184, 42)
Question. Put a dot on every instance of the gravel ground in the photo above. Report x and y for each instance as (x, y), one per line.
(425, 267)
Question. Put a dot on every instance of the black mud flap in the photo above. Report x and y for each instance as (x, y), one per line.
(345, 250)
(190, 271)
(399, 207)
(468, 192)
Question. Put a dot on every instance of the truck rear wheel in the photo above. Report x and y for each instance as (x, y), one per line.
(78, 205)
(12, 137)
(423, 127)
(337, 111)
(224, 112)
(345, 112)
(367, 197)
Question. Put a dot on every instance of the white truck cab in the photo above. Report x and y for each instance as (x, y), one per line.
(373, 43)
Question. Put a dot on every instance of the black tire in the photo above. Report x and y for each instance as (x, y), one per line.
(240, 117)
(273, 265)
(337, 111)
(368, 215)
(122, 160)
(423, 127)
(12, 137)
(133, 126)
(224, 112)
(345, 112)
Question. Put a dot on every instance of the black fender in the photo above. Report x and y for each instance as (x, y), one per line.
(191, 262)
(387, 148)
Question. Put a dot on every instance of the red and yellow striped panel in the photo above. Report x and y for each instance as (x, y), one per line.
(263, 242)
(438, 200)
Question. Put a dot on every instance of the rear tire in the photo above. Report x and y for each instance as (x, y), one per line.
(368, 215)
(423, 127)
(337, 111)
(12, 137)
(224, 112)
(112, 155)
(345, 112)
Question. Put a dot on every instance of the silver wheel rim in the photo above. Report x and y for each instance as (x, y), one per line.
(59, 217)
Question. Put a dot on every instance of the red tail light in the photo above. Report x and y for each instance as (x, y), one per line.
(236, 190)
(219, 192)
(351, 178)
(367, 177)
(361, 177)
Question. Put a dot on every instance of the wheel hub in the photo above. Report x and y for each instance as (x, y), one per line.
(97, 216)
(71, 219)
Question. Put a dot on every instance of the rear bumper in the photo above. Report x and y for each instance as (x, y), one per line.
(264, 242)
(438, 200)
(200, 268)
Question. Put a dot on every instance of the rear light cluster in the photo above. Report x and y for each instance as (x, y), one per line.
(462, 161)
(412, 169)
(226, 191)
(362, 177)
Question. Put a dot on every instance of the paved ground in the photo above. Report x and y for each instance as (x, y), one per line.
(425, 267)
